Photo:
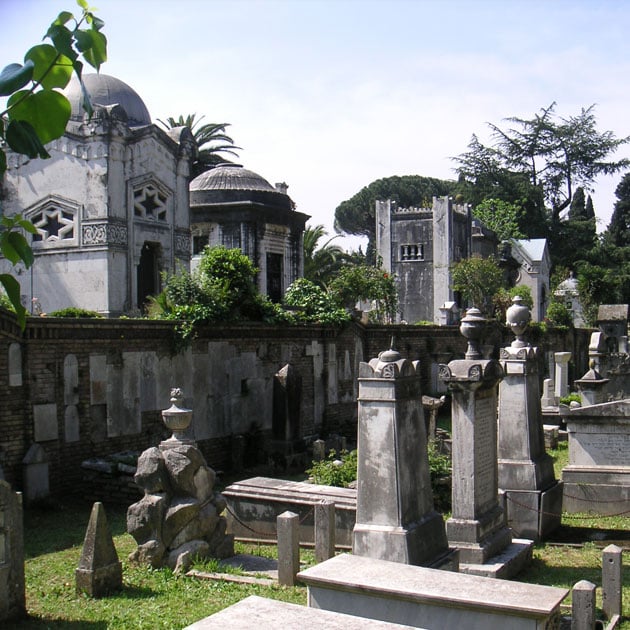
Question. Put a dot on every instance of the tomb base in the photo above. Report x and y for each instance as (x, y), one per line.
(420, 544)
(505, 565)
(479, 539)
(534, 514)
(601, 490)
(99, 582)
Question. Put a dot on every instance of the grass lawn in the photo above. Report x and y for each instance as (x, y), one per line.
(157, 599)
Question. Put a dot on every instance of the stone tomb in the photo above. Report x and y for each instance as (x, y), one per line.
(12, 593)
(428, 598)
(526, 475)
(478, 526)
(597, 478)
(396, 518)
(256, 503)
(269, 614)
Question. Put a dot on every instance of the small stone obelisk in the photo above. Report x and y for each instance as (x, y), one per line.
(99, 572)
(526, 475)
(396, 519)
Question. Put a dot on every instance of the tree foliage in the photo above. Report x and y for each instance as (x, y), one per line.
(358, 283)
(547, 157)
(36, 113)
(478, 280)
(321, 262)
(211, 138)
(618, 232)
(309, 302)
(501, 217)
(357, 214)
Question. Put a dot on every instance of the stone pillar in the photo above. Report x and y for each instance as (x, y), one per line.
(12, 589)
(288, 526)
(526, 475)
(549, 394)
(562, 373)
(612, 581)
(324, 530)
(478, 526)
(592, 387)
(396, 519)
(583, 606)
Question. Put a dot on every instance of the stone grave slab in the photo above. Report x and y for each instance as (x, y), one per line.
(269, 614)
(429, 598)
(256, 503)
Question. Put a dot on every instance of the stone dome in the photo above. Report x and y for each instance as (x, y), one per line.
(108, 90)
(231, 183)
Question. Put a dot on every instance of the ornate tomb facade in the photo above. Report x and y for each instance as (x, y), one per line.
(110, 206)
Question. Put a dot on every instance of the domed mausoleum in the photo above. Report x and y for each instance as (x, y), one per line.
(110, 206)
(237, 208)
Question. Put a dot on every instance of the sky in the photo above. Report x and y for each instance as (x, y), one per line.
(330, 95)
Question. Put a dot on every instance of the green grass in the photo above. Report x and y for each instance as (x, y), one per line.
(158, 599)
(150, 598)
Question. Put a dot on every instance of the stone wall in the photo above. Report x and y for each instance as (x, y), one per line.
(86, 388)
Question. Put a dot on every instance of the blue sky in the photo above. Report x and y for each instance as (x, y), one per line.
(329, 95)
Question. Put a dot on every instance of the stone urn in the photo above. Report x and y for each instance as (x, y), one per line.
(471, 327)
(517, 318)
(177, 418)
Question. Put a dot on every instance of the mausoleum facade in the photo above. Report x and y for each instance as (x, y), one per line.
(237, 208)
(110, 206)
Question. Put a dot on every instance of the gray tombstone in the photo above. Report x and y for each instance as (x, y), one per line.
(12, 592)
(396, 519)
(35, 474)
(526, 475)
(478, 526)
(287, 394)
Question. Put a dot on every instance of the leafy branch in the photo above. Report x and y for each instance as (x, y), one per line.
(37, 113)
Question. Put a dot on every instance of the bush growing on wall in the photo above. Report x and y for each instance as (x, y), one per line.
(222, 289)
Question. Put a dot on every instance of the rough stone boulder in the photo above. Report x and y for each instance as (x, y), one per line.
(179, 516)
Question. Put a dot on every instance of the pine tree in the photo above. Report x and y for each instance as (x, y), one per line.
(577, 210)
(618, 232)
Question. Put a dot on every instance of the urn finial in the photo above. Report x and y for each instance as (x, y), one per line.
(517, 318)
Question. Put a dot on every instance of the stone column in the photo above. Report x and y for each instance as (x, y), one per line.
(562, 373)
(478, 526)
(396, 519)
(526, 475)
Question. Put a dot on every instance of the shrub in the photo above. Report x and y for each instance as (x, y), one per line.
(356, 283)
(334, 471)
(559, 315)
(310, 303)
(73, 311)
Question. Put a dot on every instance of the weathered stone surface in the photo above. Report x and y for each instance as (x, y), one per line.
(150, 552)
(203, 483)
(182, 464)
(179, 514)
(193, 548)
(151, 473)
(144, 518)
